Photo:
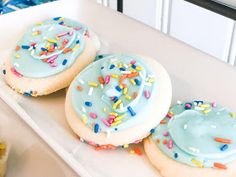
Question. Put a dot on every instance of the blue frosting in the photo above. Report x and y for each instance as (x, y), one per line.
(109, 101)
(49, 48)
(193, 129)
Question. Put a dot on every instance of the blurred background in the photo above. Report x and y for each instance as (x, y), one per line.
(204, 24)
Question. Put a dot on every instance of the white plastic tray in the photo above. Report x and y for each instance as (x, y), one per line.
(45, 115)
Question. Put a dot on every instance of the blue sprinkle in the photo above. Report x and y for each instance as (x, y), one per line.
(133, 66)
(100, 56)
(131, 111)
(116, 129)
(64, 62)
(56, 18)
(25, 47)
(118, 88)
(61, 23)
(224, 147)
(4, 71)
(138, 82)
(152, 130)
(102, 67)
(176, 155)
(27, 94)
(77, 42)
(88, 103)
(112, 66)
(115, 99)
(122, 69)
(96, 128)
(55, 44)
(43, 49)
(198, 102)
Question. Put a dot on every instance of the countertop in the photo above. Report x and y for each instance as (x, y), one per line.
(194, 75)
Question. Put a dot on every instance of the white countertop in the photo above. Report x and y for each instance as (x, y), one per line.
(194, 75)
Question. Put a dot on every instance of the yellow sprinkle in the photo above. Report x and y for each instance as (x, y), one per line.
(47, 46)
(120, 117)
(114, 76)
(76, 47)
(62, 18)
(206, 111)
(125, 90)
(93, 84)
(205, 105)
(125, 146)
(128, 97)
(104, 109)
(113, 114)
(17, 55)
(39, 23)
(121, 86)
(139, 68)
(57, 38)
(35, 33)
(115, 123)
(150, 80)
(2, 146)
(120, 65)
(84, 119)
(131, 152)
(116, 104)
(132, 81)
(232, 114)
(129, 64)
(51, 40)
(197, 163)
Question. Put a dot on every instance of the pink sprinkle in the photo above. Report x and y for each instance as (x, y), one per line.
(71, 33)
(105, 122)
(133, 62)
(93, 115)
(146, 94)
(62, 34)
(170, 144)
(137, 141)
(53, 64)
(107, 79)
(16, 73)
(166, 134)
(110, 121)
(112, 117)
(65, 41)
(51, 59)
(169, 115)
(77, 28)
(214, 104)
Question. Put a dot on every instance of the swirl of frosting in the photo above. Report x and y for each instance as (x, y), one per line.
(49, 48)
(199, 134)
(111, 94)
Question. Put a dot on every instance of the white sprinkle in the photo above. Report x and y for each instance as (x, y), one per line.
(50, 29)
(16, 65)
(44, 38)
(193, 149)
(101, 85)
(30, 48)
(121, 106)
(83, 109)
(179, 102)
(126, 66)
(81, 139)
(195, 103)
(108, 134)
(33, 29)
(32, 52)
(81, 81)
(213, 126)
(125, 72)
(148, 84)
(90, 91)
(185, 126)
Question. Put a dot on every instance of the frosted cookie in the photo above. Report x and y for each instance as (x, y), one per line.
(194, 139)
(117, 100)
(4, 150)
(49, 55)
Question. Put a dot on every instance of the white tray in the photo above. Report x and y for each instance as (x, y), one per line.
(45, 115)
